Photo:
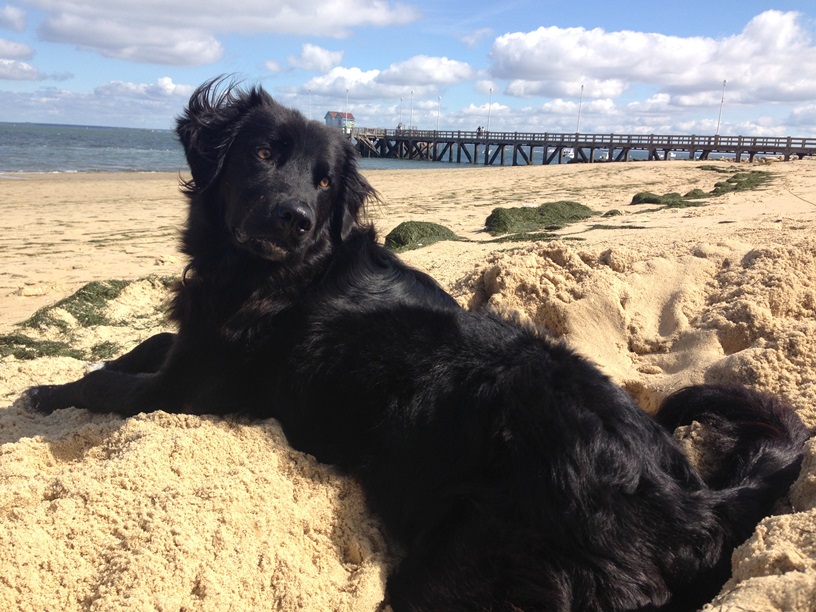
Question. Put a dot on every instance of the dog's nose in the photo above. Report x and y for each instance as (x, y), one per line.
(295, 217)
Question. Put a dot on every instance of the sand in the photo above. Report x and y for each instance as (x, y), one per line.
(176, 512)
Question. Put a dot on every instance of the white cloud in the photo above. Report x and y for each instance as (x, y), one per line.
(162, 88)
(421, 74)
(316, 58)
(496, 110)
(12, 18)
(339, 79)
(425, 70)
(771, 60)
(13, 70)
(361, 84)
(474, 38)
(804, 115)
(658, 103)
(274, 66)
(762, 126)
(485, 86)
(593, 88)
(54, 105)
(14, 50)
(120, 39)
(183, 32)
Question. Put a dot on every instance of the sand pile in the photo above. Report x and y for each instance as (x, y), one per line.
(717, 313)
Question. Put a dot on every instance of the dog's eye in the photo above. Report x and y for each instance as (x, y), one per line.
(324, 183)
(263, 153)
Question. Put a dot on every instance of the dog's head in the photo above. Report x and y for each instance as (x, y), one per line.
(281, 184)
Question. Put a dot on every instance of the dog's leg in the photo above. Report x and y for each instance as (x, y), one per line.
(197, 379)
(149, 356)
(107, 391)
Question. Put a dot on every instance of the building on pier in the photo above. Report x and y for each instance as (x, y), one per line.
(344, 121)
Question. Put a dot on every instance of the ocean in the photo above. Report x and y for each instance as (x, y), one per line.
(32, 147)
(47, 148)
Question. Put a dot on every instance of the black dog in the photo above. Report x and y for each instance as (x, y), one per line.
(515, 475)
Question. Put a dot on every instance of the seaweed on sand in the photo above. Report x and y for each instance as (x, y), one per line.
(414, 234)
(739, 181)
(550, 215)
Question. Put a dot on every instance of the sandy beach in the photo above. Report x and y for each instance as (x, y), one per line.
(172, 512)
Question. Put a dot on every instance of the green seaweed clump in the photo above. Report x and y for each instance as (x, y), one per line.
(646, 197)
(86, 306)
(414, 234)
(105, 350)
(68, 318)
(24, 348)
(672, 200)
(742, 181)
(550, 215)
(527, 237)
(713, 168)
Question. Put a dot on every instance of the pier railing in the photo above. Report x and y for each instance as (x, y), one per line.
(435, 145)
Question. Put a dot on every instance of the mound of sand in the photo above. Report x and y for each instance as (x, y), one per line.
(716, 313)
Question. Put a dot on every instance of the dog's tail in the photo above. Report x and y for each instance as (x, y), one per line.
(752, 445)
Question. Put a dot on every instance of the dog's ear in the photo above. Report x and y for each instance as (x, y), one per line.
(349, 213)
(208, 127)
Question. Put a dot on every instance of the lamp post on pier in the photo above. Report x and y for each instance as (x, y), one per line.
(411, 116)
(438, 111)
(722, 101)
(580, 104)
(489, 104)
(346, 121)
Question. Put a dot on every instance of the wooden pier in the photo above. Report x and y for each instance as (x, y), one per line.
(519, 148)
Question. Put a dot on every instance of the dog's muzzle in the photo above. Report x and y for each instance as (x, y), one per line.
(279, 233)
(293, 218)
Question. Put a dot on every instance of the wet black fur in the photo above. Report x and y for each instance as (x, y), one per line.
(512, 472)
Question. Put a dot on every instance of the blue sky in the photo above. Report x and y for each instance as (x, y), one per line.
(629, 67)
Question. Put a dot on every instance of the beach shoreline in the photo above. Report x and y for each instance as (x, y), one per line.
(165, 511)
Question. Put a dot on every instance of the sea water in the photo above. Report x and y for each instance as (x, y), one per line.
(50, 148)
(32, 147)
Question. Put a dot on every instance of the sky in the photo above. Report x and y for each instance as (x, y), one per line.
(690, 67)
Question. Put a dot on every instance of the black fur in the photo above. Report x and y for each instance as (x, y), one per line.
(514, 474)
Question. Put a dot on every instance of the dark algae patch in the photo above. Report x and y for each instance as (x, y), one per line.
(669, 200)
(410, 235)
(528, 236)
(22, 347)
(738, 181)
(743, 181)
(549, 216)
(86, 306)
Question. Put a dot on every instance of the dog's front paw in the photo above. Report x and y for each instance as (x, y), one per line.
(44, 399)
